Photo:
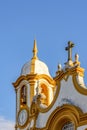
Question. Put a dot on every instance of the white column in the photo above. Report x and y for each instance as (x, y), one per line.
(28, 94)
(17, 104)
(18, 100)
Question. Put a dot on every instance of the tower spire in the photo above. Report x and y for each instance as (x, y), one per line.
(35, 50)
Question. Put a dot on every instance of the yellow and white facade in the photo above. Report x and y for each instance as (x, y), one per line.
(51, 103)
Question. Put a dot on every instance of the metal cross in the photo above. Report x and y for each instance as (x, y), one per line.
(69, 49)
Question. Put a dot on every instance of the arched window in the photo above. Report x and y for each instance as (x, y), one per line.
(68, 126)
(23, 95)
(44, 94)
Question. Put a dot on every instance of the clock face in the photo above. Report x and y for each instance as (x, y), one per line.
(22, 118)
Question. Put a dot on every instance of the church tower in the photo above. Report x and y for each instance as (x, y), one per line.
(34, 81)
(51, 103)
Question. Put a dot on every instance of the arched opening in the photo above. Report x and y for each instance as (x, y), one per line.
(23, 95)
(43, 90)
(64, 118)
(68, 126)
(64, 123)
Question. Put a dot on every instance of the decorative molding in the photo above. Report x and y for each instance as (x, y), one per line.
(63, 114)
(78, 87)
(33, 77)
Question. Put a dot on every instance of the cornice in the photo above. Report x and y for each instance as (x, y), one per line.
(33, 77)
(74, 72)
(70, 71)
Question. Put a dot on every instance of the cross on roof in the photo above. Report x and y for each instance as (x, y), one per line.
(69, 49)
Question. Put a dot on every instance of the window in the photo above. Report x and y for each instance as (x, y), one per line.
(68, 126)
(23, 95)
(44, 94)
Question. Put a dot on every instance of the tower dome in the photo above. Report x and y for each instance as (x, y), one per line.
(35, 66)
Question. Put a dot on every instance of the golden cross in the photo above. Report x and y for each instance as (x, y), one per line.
(69, 49)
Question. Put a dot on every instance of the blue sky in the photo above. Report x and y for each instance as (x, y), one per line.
(52, 24)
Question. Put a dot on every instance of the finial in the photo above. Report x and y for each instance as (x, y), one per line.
(69, 49)
(76, 57)
(35, 50)
(77, 60)
(59, 67)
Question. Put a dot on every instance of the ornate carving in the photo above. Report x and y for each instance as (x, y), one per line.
(34, 110)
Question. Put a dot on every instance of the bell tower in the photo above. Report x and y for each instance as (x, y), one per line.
(34, 80)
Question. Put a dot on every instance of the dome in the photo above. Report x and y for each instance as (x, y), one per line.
(35, 66)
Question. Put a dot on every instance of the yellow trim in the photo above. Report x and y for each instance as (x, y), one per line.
(32, 83)
(33, 77)
(70, 71)
(35, 50)
(43, 110)
(80, 89)
(83, 120)
(18, 81)
(32, 68)
(75, 71)
(63, 114)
